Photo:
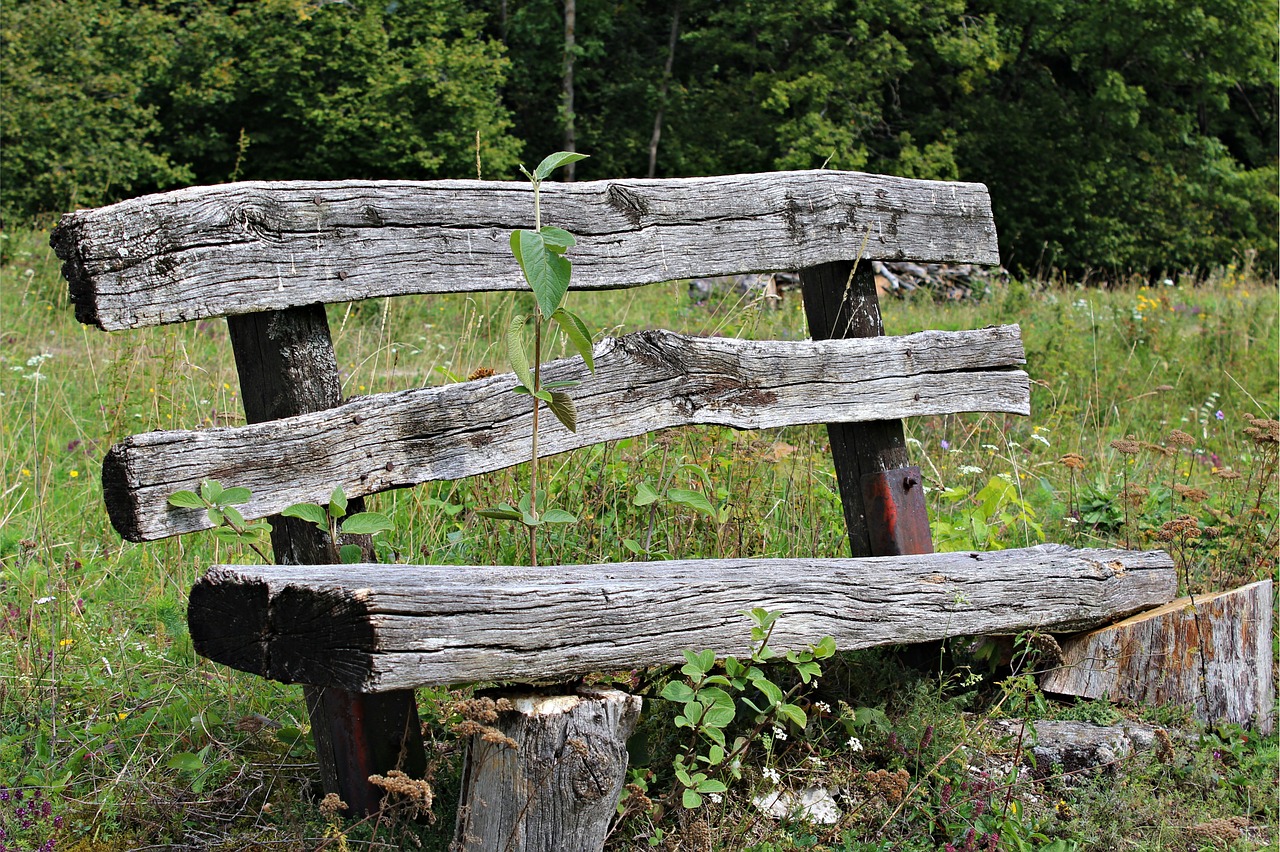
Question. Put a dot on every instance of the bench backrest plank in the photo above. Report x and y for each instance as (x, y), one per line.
(644, 382)
(256, 246)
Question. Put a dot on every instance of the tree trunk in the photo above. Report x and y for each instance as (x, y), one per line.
(547, 775)
(662, 92)
(570, 48)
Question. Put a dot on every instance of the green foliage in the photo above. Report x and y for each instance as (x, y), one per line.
(220, 507)
(334, 521)
(709, 697)
(995, 518)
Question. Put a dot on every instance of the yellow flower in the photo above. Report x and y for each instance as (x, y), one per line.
(26, 472)
(122, 716)
(65, 642)
(74, 474)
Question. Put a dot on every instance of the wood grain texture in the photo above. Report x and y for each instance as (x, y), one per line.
(558, 788)
(381, 627)
(255, 246)
(644, 382)
(1212, 654)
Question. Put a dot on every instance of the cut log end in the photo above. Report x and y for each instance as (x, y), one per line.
(1211, 653)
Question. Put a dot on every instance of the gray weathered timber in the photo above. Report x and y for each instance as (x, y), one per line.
(643, 382)
(558, 788)
(254, 246)
(1211, 653)
(381, 627)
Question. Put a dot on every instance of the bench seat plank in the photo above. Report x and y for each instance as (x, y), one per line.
(380, 627)
(254, 246)
(644, 382)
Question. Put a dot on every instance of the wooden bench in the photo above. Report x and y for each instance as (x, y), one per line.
(270, 256)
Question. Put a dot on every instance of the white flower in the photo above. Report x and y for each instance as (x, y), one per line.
(968, 469)
(715, 798)
(815, 760)
(822, 706)
(854, 744)
(778, 733)
(771, 774)
(1036, 436)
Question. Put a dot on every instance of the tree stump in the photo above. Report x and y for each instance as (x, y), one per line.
(1212, 654)
(553, 784)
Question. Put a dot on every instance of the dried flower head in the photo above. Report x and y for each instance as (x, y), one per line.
(1164, 746)
(1178, 438)
(1263, 431)
(1135, 495)
(1227, 474)
(1186, 492)
(480, 373)
(1129, 446)
(1074, 461)
(416, 793)
(332, 805)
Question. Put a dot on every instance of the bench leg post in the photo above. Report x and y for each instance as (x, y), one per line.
(885, 516)
(545, 776)
(287, 366)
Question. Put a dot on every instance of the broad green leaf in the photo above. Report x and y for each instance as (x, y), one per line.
(792, 713)
(233, 516)
(558, 240)
(576, 330)
(236, 495)
(716, 735)
(552, 386)
(561, 405)
(559, 516)
(516, 355)
(644, 494)
(225, 534)
(632, 545)
(698, 663)
(711, 785)
(185, 761)
(719, 705)
(825, 648)
(215, 516)
(691, 499)
(677, 690)
(715, 755)
(531, 518)
(308, 512)
(501, 513)
(690, 799)
(771, 691)
(338, 502)
(186, 500)
(546, 271)
(211, 491)
(809, 671)
(554, 161)
(350, 554)
(367, 523)
(693, 711)
(543, 395)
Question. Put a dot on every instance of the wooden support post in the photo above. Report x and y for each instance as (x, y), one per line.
(547, 776)
(287, 366)
(840, 302)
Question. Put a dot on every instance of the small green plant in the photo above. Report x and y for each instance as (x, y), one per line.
(220, 504)
(540, 253)
(333, 521)
(988, 520)
(709, 702)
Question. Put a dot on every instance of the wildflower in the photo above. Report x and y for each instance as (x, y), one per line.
(822, 706)
(1128, 446)
(1219, 415)
(815, 760)
(26, 472)
(1178, 438)
(854, 744)
(778, 733)
(74, 474)
(715, 798)
(1036, 436)
(945, 444)
(771, 774)
(968, 469)
(1074, 461)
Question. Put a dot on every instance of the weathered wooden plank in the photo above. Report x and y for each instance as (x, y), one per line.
(379, 627)
(254, 246)
(554, 784)
(644, 382)
(1212, 654)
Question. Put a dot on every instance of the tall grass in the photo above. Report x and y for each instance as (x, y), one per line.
(1142, 400)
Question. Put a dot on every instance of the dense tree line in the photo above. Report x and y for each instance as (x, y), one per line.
(1116, 136)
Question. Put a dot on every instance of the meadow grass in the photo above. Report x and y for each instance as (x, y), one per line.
(116, 736)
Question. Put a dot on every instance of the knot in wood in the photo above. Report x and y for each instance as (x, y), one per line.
(628, 202)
